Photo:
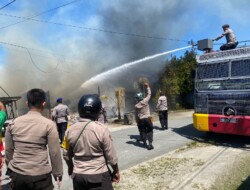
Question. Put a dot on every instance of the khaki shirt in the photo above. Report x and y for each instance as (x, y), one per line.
(94, 149)
(162, 103)
(60, 113)
(142, 108)
(26, 141)
(230, 36)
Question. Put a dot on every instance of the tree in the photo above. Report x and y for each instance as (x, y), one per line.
(177, 81)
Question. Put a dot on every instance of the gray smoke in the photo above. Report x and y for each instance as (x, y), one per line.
(59, 60)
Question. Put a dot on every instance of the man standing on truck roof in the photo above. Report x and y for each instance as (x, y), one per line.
(230, 37)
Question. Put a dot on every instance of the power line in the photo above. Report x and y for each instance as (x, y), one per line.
(33, 62)
(59, 61)
(7, 4)
(97, 29)
(44, 12)
(69, 59)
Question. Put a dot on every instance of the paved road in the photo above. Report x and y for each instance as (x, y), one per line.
(131, 153)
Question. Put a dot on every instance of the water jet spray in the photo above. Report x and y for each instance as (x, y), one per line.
(126, 66)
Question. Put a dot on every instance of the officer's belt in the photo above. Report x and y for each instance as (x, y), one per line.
(61, 116)
(145, 118)
(85, 158)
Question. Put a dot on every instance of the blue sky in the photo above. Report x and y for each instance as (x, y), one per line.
(62, 48)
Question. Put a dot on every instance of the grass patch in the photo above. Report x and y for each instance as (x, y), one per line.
(156, 174)
(159, 167)
(236, 178)
(191, 145)
(151, 174)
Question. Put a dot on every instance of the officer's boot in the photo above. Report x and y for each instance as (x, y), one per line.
(150, 139)
(150, 146)
(140, 138)
(166, 124)
(162, 124)
(144, 139)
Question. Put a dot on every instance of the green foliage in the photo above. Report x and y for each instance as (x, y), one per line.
(177, 81)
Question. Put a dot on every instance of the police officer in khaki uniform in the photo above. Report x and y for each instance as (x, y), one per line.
(162, 107)
(92, 148)
(143, 119)
(26, 142)
(230, 37)
(60, 116)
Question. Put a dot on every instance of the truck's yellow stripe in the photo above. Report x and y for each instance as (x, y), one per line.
(201, 121)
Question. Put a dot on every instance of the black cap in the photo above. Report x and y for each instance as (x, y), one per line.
(225, 26)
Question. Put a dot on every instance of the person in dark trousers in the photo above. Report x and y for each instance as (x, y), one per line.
(89, 150)
(28, 140)
(230, 37)
(162, 107)
(143, 118)
(60, 116)
(138, 98)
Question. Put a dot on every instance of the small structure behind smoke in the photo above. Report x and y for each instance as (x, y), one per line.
(11, 106)
(115, 107)
(120, 94)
